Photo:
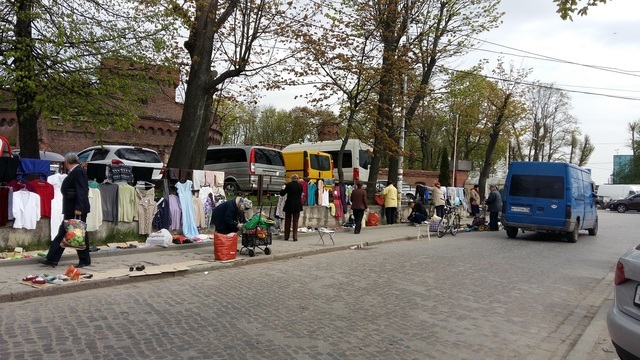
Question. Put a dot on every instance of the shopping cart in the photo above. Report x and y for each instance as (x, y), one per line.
(256, 234)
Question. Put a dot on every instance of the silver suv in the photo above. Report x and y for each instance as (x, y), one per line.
(124, 155)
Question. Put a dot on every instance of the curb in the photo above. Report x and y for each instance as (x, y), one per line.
(97, 284)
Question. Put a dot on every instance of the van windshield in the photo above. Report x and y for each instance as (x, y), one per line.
(320, 162)
(537, 186)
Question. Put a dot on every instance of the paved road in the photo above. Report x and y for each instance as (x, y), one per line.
(475, 296)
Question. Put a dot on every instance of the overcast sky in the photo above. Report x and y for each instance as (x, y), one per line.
(609, 36)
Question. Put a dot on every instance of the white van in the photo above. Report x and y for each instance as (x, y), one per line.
(608, 192)
(356, 158)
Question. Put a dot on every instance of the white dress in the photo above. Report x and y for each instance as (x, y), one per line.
(56, 204)
(94, 217)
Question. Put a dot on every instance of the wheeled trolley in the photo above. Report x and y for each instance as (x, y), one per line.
(256, 234)
(252, 239)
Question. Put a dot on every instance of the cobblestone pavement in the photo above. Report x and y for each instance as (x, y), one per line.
(475, 296)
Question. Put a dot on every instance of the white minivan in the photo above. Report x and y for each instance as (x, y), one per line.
(356, 157)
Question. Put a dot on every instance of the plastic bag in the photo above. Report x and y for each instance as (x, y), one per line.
(75, 232)
(225, 246)
(373, 219)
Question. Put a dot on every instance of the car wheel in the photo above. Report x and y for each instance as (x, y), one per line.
(512, 232)
(594, 230)
(230, 188)
(572, 236)
(621, 208)
(410, 196)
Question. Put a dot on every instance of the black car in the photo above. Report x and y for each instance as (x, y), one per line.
(622, 205)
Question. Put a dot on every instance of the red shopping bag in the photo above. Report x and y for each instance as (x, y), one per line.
(373, 219)
(225, 246)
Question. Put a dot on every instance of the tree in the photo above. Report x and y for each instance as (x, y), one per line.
(227, 39)
(53, 57)
(445, 174)
(505, 108)
(634, 129)
(568, 7)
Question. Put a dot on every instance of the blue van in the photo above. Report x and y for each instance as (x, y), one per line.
(549, 197)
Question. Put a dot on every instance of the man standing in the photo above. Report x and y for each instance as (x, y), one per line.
(390, 195)
(358, 205)
(494, 205)
(292, 206)
(474, 200)
(75, 205)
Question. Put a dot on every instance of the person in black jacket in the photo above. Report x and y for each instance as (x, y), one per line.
(418, 213)
(228, 217)
(292, 206)
(75, 205)
(494, 205)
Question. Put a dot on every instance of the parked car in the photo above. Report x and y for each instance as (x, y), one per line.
(242, 165)
(55, 159)
(124, 155)
(622, 205)
(407, 192)
(623, 319)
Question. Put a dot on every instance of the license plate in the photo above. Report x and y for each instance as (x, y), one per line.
(636, 299)
(521, 209)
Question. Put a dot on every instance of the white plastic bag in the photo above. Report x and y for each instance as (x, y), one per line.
(160, 238)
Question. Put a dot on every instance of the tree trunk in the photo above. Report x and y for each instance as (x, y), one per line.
(493, 141)
(27, 112)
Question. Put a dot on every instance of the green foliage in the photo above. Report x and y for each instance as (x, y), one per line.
(568, 7)
(62, 47)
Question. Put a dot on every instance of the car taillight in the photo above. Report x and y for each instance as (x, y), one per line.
(252, 162)
(116, 162)
(356, 174)
(162, 172)
(620, 277)
(567, 212)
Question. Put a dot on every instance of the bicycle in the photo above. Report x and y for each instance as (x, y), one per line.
(449, 222)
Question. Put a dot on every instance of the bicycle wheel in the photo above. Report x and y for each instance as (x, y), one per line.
(455, 224)
(442, 227)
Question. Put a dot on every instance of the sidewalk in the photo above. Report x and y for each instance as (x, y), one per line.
(112, 267)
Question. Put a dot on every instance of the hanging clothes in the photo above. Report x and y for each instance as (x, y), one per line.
(4, 205)
(198, 213)
(26, 209)
(127, 207)
(321, 193)
(189, 228)
(337, 202)
(147, 208)
(280, 207)
(110, 194)
(45, 190)
(56, 203)
(305, 192)
(8, 168)
(94, 217)
(207, 206)
(176, 212)
(198, 179)
(162, 219)
(313, 190)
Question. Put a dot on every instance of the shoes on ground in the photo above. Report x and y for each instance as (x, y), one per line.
(81, 265)
(47, 262)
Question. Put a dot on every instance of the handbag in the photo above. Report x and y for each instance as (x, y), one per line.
(75, 232)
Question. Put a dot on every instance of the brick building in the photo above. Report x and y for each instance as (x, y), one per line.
(156, 128)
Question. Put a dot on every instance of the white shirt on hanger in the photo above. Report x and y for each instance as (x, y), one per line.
(26, 209)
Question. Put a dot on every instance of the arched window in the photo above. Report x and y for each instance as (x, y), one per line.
(160, 131)
(151, 130)
(3, 122)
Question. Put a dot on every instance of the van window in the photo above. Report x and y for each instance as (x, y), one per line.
(320, 162)
(223, 156)
(537, 186)
(269, 157)
(346, 158)
(365, 159)
(139, 155)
